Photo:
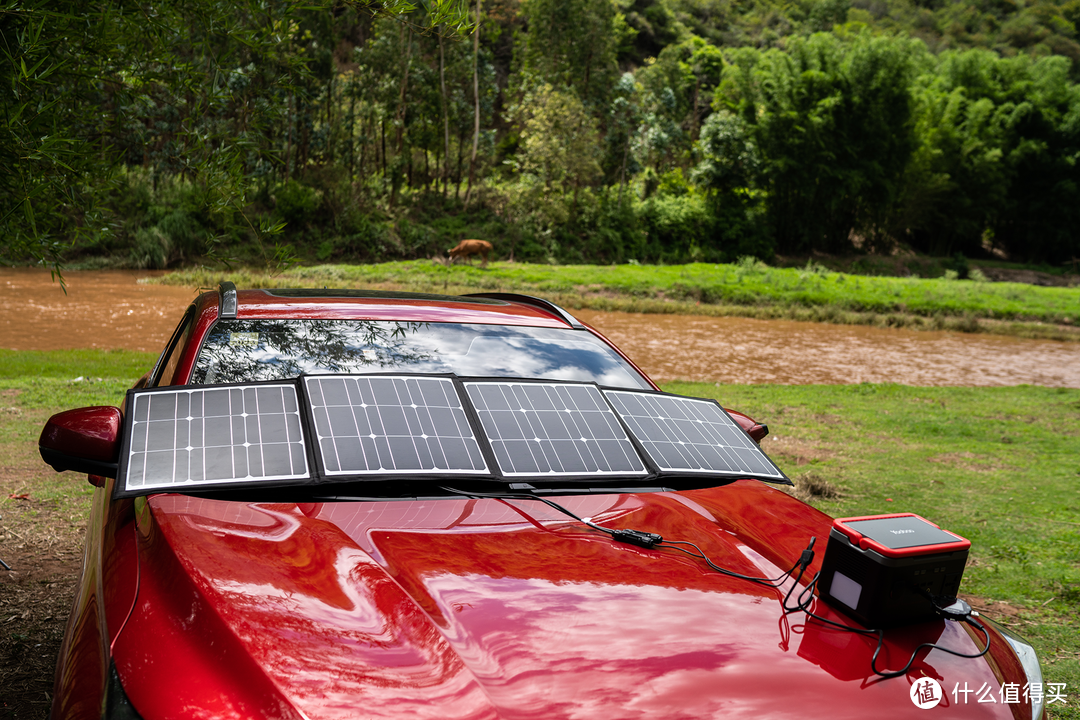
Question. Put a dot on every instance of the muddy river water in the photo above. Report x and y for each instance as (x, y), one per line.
(111, 309)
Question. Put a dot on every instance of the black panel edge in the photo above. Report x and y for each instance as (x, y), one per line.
(785, 480)
(652, 467)
(128, 419)
(482, 439)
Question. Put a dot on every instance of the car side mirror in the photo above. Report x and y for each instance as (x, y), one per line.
(84, 440)
(753, 428)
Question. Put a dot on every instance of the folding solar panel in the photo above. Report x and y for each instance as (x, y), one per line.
(375, 427)
(689, 435)
(186, 437)
(379, 425)
(553, 429)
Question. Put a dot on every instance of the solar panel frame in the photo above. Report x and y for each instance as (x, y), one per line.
(259, 444)
(421, 455)
(686, 435)
(571, 452)
(543, 424)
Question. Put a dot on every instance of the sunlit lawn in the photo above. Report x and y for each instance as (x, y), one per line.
(746, 285)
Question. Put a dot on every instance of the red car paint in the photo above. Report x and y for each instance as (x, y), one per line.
(473, 608)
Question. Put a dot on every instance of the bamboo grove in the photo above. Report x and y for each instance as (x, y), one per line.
(603, 131)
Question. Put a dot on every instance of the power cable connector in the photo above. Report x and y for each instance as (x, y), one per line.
(807, 556)
(956, 609)
(637, 537)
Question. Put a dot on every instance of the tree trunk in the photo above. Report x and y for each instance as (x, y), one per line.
(330, 152)
(446, 117)
(476, 106)
(458, 178)
(622, 172)
(288, 139)
(404, 91)
(352, 137)
(401, 111)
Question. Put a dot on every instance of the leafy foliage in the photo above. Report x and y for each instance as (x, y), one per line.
(605, 130)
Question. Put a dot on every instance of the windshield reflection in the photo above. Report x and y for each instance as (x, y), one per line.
(255, 350)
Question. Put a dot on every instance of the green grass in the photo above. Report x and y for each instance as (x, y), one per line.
(70, 364)
(747, 288)
(34, 385)
(999, 466)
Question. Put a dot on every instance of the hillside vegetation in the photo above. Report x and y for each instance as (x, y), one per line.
(595, 131)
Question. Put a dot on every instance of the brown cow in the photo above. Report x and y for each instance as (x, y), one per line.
(467, 248)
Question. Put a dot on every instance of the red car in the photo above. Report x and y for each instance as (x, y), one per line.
(369, 526)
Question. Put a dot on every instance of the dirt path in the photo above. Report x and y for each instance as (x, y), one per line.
(41, 539)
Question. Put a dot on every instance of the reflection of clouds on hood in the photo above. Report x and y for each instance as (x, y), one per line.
(473, 614)
(589, 650)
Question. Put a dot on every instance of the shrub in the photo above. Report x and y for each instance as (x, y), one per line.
(296, 202)
(152, 249)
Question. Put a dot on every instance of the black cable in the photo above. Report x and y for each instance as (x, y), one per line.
(650, 540)
(767, 582)
(525, 496)
(802, 600)
(802, 605)
(911, 660)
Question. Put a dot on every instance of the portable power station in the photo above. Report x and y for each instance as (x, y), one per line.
(890, 570)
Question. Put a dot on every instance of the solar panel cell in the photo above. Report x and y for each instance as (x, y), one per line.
(690, 435)
(553, 429)
(194, 436)
(392, 424)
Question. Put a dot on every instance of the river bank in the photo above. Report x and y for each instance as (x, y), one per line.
(747, 289)
(113, 309)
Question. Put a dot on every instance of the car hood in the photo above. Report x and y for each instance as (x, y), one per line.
(483, 608)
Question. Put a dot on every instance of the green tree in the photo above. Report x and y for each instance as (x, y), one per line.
(77, 79)
(999, 141)
(675, 92)
(572, 43)
(832, 119)
(730, 172)
(560, 143)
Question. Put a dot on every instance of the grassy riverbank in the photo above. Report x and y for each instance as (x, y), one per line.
(747, 289)
(996, 465)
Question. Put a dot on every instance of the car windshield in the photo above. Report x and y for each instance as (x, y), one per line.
(252, 350)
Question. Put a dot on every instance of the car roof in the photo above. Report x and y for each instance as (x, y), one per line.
(328, 304)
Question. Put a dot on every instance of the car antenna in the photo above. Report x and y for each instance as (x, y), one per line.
(227, 307)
